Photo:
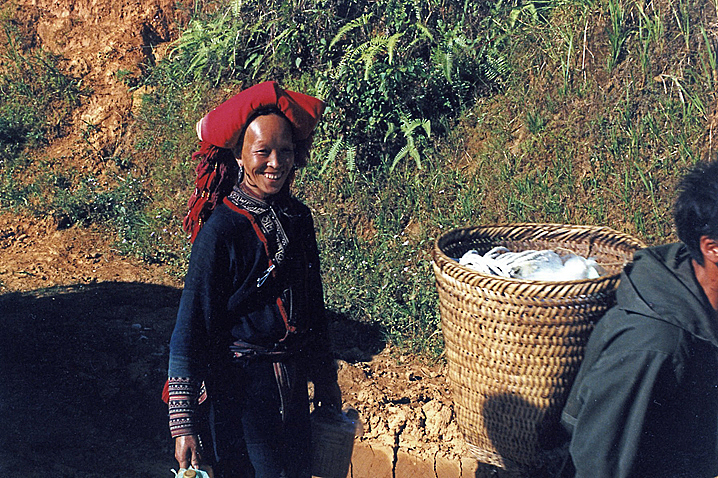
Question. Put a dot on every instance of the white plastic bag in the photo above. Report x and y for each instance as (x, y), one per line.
(544, 265)
(193, 473)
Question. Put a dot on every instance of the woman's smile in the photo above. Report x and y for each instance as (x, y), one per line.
(273, 176)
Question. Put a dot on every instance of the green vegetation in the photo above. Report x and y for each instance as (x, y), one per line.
(37, 99)
(439, 115)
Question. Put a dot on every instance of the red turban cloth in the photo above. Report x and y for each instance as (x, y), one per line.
(219, 132)
(223, 125)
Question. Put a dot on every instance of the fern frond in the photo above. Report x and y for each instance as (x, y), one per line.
(377, 46)
(341, 67)
(408, 125)
(363, 53)
(424, 30)
(414, 152)
(462, 42)
(391, 44)
(399, 156)
(351, 158)
(390, 131)
(448, 61)
(426, 124)
(356, 23)
(333, 151)
(321, 89)
(496, 67)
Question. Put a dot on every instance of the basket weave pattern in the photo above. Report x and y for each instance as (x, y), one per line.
(514, 346)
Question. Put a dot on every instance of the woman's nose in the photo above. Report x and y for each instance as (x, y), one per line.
(279, 158)
(273, 160)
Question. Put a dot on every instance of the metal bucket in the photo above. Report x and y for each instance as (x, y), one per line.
(333, 436)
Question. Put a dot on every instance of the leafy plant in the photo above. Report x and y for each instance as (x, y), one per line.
(252, 41)
(407, 128)
(90, 202)
(382, 83)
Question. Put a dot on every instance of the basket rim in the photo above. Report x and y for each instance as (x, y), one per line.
(443, 261)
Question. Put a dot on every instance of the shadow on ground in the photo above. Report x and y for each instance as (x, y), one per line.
(82, 369)
(528, 439)
(354, 341)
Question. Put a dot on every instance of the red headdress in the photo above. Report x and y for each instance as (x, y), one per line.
(222, 128)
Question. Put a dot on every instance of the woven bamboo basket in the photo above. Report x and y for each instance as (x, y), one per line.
(514, 346)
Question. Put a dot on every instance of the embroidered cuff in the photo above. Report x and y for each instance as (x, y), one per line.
(183, 394)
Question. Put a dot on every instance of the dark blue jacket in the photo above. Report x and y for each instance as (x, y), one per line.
(645, 401)
(225, 300)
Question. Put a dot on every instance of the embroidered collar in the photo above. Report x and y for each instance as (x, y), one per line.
(267, 217)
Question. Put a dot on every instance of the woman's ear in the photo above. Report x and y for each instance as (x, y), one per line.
(709, 249)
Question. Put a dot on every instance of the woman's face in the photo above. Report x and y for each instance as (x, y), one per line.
(267, 155)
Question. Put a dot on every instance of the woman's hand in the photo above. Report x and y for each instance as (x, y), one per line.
(188, 451)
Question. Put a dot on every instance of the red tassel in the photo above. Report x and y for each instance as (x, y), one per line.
(213, 181)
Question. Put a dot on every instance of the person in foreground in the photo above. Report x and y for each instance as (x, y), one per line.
(251, 329)
(645, 401)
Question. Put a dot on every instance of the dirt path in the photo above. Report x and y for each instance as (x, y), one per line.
(83, 367)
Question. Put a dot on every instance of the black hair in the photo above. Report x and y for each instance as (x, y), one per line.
(696, 208)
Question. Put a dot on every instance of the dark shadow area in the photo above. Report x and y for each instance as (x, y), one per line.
(82, 373)
(82, 369)
(530, 441)
(354, 341)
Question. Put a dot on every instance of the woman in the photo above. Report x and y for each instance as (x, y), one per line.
(251, 323)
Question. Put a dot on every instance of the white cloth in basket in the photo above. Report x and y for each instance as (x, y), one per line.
(544, 265)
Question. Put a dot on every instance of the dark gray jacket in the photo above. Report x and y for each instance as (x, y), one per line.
(645, 401)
